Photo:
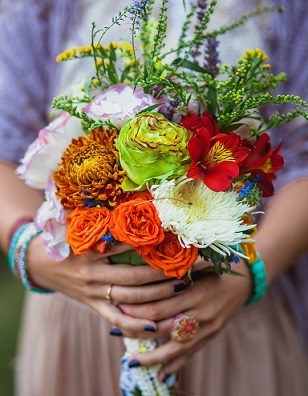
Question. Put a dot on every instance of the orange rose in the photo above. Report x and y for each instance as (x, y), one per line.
(85, 227)
(171, 257)
(136, 223)
(144, 195)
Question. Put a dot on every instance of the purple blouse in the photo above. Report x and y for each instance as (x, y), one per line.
(32, 33)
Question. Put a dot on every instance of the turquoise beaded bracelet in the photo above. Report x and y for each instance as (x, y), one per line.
(17, 255)
(259, 281)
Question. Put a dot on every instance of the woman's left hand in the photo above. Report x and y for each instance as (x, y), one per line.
(213, 300)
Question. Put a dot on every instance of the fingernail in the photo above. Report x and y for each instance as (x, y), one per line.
(166, 377)
(179, 287)
(134, 363)
(116, 332)
(170, 379)
(150, 328)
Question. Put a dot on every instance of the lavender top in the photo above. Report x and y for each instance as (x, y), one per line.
(33, 32)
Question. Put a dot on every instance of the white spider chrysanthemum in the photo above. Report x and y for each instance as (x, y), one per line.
(200, 216)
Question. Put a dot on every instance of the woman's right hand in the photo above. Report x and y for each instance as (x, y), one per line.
(88, 277)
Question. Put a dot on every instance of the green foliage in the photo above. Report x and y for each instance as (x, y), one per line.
(72, 105)
(221, 264)
(234, 96)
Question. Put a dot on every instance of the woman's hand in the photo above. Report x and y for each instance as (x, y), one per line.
(213, 300)
(88, 277)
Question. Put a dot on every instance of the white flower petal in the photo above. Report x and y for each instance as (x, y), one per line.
(200, 216)
(118, 104)
(43, 155)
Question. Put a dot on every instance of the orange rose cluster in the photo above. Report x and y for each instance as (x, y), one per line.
(136, 223)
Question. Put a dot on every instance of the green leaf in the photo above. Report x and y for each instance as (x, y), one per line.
(186, 64)
(130, 257)
(211, 100)
(137, 392)
(232, 127)
(87, 86)
(150, 108)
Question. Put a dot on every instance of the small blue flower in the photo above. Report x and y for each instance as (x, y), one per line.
(107, 238)
(235, 259)
(90, 203)
(246, 189)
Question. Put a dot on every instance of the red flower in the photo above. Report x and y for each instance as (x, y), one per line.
(263, 163)
(215, 159)
(193, 122)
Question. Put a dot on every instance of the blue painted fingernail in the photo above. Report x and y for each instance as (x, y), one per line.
(179, 287)
(116, 332)
(134, 363)
(166, 377)
(170, 379)
(150, 328)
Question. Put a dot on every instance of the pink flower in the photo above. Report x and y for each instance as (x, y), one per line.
(43, 155)
(118, 104)
(51, 219)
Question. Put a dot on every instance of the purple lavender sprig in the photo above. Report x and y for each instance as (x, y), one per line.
(211, 56)
(137, 10)
(200, 13)
(169, 108)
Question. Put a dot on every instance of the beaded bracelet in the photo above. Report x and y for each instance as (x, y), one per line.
(17, 255)
(258, 273)
(18, 224)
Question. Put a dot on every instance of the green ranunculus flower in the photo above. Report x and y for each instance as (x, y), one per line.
(151, 149)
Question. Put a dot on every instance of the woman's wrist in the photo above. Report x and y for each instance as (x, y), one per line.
(39, 264)
(18, 254)
(258, 276)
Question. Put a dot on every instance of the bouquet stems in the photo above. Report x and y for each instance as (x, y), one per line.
(141, 381)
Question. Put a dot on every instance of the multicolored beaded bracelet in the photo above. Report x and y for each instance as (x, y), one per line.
(259, 281)
(17, 255)
(18, 224)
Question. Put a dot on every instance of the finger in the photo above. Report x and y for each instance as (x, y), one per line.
(173, 367)
(159, 310)
(173, 349)
(162, 354)
(146, 293)
(116, 249)
(134, 326)
(120, 274)
(163, 327)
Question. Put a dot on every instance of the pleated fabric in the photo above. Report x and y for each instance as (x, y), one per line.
(66, 350)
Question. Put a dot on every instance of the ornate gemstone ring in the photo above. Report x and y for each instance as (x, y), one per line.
(183, 327)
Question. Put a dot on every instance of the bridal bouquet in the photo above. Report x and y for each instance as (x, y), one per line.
(164, 149)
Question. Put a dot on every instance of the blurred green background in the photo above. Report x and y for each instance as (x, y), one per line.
(11, 295)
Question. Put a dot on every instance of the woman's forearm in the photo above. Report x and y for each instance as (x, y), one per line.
(283, 231)
(17, 200)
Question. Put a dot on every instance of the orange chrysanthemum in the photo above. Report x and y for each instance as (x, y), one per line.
(90, 171)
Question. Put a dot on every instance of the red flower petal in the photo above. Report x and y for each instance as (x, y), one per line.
(260, 153)
(219, 177)
(265, 181)
(276, 160)
(193, 171)
(193, 122)
(190, 121)
(232, 142)
(199, 144)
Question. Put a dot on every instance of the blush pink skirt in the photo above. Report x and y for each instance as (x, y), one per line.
(65, 350)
